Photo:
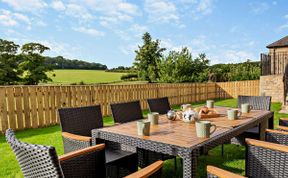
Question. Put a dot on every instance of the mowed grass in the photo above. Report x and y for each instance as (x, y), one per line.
(86, 76)
(233, 160)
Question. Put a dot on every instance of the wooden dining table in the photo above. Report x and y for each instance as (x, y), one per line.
(179, 138)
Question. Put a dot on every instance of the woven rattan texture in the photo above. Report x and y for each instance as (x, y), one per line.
(81, 120)
(263, 162)
(35, 160)
(89, 165)
(283, 122)
(126, 112)
(131, 111)
(160, 105)
(209, 175)
(73, 145)
(258, 102)
(277, 138)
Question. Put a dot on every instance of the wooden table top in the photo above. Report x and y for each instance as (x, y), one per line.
(183, 134)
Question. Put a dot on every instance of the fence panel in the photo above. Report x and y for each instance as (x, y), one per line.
(36, 106)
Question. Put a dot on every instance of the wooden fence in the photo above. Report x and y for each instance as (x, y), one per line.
(274, 63)
(36, 106)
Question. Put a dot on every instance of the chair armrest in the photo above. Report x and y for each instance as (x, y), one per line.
(284, 128)
(284, 132)
(76, 137)
(147, 171)
(84, 151)
(220, 173)
(267, 145)
(87, 162)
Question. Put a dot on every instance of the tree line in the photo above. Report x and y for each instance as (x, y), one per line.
(25, 67)
(179, 66)
(60, 62)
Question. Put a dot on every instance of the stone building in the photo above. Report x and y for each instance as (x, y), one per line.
(272, 70)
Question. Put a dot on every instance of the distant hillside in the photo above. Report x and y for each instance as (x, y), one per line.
(60, 62)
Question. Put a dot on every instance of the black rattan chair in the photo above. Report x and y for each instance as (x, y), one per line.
(277, 136)
(263, 160)
(42, 161)
(160, 105)
(283, 121)
(126, 112)
(131, 111)
(77, 123)
(258, 103)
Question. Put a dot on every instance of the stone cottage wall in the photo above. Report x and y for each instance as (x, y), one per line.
(272, 85)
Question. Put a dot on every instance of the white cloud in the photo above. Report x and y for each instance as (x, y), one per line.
(127, 7)
(89, 31)
(8, 18)
(26, 5)
(22, 17)
(258, 7)
(205, 7)
(235, 56)
(161, 11)
(58, 5)
(129, 49)
(283, 27)
(135, 31)
(78, 11)
(111, 11)
(286, 16)
(138, 30)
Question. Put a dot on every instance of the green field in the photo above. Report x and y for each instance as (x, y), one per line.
(86, 76)
(233, 160)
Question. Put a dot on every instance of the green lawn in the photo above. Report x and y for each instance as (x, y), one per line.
(233, 159)
(87, 76)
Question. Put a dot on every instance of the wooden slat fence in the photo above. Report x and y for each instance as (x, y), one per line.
(273, 63)
(233, 89)
(36, 106)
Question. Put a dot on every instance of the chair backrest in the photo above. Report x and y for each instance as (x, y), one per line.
(258, 102)
(266, 160)
(126, 112)
(160, 105)
(277, 136)
(35, 160)
(81, 120)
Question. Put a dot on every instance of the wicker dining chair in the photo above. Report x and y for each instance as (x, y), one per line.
(126, 112)
(283, 121)
(258, 103)
(263, 160)
(160, 105)
(42, 161)
(131, 111)
(77, 123)
(279, 136)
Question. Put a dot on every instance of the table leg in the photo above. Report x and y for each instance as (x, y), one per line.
(189, 163)
(263, 127)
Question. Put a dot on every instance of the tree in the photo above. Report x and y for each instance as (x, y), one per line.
(147, 58)
(9, 72)
(179, 66)
(34, 64)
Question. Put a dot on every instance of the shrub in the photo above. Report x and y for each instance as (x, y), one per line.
(129, 77)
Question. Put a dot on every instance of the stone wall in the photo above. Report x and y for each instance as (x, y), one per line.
(272, 85)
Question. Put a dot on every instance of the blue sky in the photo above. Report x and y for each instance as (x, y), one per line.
(108, 31)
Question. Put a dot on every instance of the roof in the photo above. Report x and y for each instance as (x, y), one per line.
(280, 43)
